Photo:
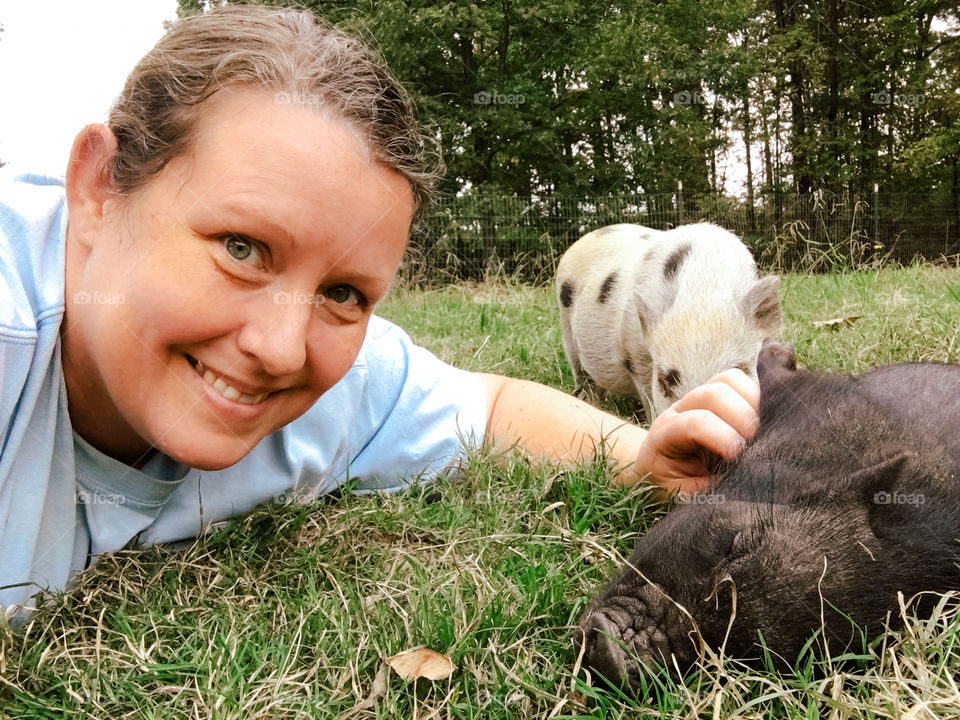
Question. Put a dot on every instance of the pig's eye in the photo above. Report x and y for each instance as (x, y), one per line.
(668, 381)
(738, 545)
(748, 370)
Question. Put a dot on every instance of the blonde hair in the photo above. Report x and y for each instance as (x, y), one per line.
(291, 52)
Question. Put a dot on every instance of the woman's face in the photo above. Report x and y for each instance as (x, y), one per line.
(217, 303)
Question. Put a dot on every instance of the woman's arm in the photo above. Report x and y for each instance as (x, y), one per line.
(676, 453)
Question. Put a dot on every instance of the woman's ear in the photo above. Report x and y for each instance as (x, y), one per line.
(88, 177)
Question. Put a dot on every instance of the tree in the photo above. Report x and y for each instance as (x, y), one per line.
(577, 98)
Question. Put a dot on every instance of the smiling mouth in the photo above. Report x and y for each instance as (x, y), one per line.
(223, 387)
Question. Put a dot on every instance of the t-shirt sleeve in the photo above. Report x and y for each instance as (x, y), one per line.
(402, 414)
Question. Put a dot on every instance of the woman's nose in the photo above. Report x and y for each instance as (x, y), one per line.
(275, 331)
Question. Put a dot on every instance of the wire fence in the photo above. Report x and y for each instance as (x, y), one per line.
(470, 237)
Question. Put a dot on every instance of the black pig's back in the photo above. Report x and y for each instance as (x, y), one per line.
(824, 427)
(928, 393)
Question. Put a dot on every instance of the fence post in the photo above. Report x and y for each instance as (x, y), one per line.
(876, 214)
(679, 202)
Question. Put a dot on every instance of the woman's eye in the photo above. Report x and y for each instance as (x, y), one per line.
(241, 249)
(344, 295)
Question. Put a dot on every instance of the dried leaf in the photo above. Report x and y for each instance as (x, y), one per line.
(421, 662)
(837, 321)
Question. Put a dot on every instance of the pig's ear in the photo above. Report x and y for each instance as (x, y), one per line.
(644, 313)
(762, 304)
(879, 481)
(776, 361)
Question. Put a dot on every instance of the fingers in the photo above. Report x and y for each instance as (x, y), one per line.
(745, 386)
(691, 430)
(732, 397)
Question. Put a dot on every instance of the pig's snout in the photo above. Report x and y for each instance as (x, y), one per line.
(625, 635)
(604, 653)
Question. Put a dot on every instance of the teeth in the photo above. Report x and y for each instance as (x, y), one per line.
(228, 391)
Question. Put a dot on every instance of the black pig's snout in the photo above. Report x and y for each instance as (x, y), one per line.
(602, 650)
(625, 635)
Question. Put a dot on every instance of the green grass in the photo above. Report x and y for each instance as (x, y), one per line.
(290, 612)
(908, 314)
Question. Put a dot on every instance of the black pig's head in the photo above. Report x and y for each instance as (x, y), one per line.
(769, 562)
(686, 576)
(730, 569)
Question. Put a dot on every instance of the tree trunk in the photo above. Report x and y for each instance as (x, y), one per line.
(747, 141)
(786, 18)
(833, 89)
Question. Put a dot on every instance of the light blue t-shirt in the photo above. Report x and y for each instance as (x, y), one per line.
(399, 415)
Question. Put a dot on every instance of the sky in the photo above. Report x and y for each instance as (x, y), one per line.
(62, 62)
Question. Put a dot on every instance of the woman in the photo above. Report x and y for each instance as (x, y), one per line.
(187, 328)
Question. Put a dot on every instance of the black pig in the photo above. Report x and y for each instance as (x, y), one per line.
(847, 495)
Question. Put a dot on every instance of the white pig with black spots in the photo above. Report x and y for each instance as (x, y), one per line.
(653, 313)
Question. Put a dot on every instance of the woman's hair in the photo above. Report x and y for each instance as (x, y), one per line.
(292, 53)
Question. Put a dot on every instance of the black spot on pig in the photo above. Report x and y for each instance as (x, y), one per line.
(566, 294)
(628, 364)
(606, 287)
(849, 494)
(674, 260)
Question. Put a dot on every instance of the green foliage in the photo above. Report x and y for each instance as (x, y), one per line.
(543, 102)
(573, 97)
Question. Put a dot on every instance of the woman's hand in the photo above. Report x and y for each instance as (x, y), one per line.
(687, 440)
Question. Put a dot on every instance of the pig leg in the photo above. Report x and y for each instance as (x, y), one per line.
(584, 387)
(642, 384)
